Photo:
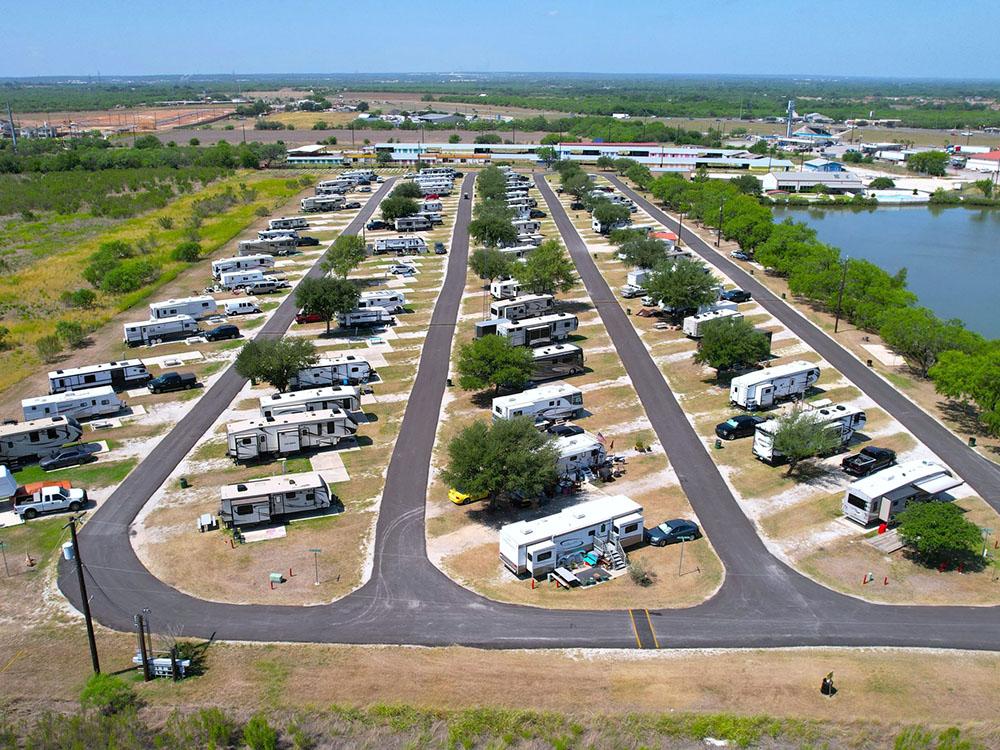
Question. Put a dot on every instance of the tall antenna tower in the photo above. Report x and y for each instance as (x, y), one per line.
(790, 117)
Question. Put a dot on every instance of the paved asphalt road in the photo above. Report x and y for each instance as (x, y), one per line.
(408, 601)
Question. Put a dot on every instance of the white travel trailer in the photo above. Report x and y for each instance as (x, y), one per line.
(387, 299)
(277, 246)
(536, 331)
(346, 369)
(602, 228)
(203, 306)
(538, 547)
(333, 188)
(268, 499)
(578, 455)
(237, 279)
(431, 207)
(89, 402)
(366, 318)
(322, 203)
(880, 496)
(763, 388)
(288, 222)
(346, 397)
(526, 306)
(527, 226)
(399, 245)
(242, 263)
(290, 433)
(638, 276)
(36, 439)
(274, 234)
(516, 252)
(556, 361)
(842, 420)
(416, 223)
(128, 373)
(504, 288)
(435, 188)
(164, 329)
(547, 402)
(245, 306)
(693, 324)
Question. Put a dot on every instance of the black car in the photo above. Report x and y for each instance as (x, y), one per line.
(742, 425)
(307, 241)
(577, 206)
(536, 214)
(66, 457)
(675, 530)
(377, 224)
(221, 333)
(564, 430)
(352, 204)
(870, 459)
(439, 248)
(736, 295)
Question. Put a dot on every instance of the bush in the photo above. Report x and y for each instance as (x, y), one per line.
(261, 211)
(71, 333)
(259, 735)
(48, 347)
(84, 298)
(188, 252)
(107, 694)
(194, 142)
(881, 183)
(4, 343)
(166, 222)
(639, 575)
(129, 276)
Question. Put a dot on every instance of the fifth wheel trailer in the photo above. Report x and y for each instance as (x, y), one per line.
(289, 433)
(203, 306)
(38, 438)
(345, 369)
(271, 498)
(322, 203)
(842, 420)
(526, 306)
(276, 246)
(388, 299)
(535, 331)
(547, 402)
(128, 373)
(504, 288)
(556, 361)
(288, 222)
(763, 388)
(164, 329)
(346, 397)
(259, 262)
(89, 402)
(693, 325)
(880, 496)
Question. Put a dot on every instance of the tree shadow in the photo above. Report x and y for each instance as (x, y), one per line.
(573, 307)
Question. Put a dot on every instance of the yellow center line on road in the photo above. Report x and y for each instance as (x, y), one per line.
(635, 630)
(652, 630)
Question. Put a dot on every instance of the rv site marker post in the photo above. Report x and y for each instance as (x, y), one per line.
(315, 565)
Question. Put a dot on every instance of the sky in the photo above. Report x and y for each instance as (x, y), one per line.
(882, 38)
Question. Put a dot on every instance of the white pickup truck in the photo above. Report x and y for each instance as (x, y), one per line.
(48, 499)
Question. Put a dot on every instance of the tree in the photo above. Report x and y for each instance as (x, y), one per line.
(682, 284)
(547, 155)
(489, 263)
(362, 107)
(488, 138)
(641, 252)
(985, 187)
(920, 336)
(972, 377)
(639, 174)
(578, 184)
(493, 231)
(275, 361)
(346, 254)
(84, 298)
(188, 252)
(383, 158)
(883, 183)
(623, 164)
(493, 361)
(928, 162)
(729, 344)
(407, 189)
(194, 142)
(852, 157)
(748, 184)
(326, 297)
(547, 270)
(605, 163)
(798, 435)
(502, 460)
(937, 532)
(454, 138)
(610, 214)
(396, 207)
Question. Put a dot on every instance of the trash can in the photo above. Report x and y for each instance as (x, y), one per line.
(718, 443)
(67, 551)
(184, 483)
(972, 442)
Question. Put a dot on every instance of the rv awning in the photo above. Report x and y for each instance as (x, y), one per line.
(939, 484)
(631, 518)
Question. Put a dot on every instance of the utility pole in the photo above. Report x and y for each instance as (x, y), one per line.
(840, 295)
(84, 600)
(680, 230)
(140, 624)
(718, 234)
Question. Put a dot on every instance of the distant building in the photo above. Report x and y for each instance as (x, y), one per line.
(812, 131)
(621, 115)
(816, 117)
(989, 162)
(437, 118)
(796, 182)
(823, 165)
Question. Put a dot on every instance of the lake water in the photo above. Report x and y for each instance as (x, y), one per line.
(951, 255)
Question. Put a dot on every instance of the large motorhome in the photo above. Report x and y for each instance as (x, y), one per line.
(448, 172)
(416, 223)
(527, 306)
(277, 246)
(263, 500)
(578, 455)
(523, 202)
(387, 299)
(545, 403)
(399, 245)
(694, 324)
(536, 331)
(38, 438)
(274, 234)
(243, 263)
(556, 361)
(335, 187)
(365, 318)
(435, 188)
(289, 433)
(345, 369)
(322, 203)
(288, 222)
(346, 397)
(880, 496)
(842, 420)
(539, 547)
(128, 373)
(89, 402)
(203, 306)
(764, 388)
(164, 329)
(239, 279)
(504, 288)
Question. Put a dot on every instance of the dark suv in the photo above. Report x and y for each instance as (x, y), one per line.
(223, 332)
(742, 425)
(735, 295)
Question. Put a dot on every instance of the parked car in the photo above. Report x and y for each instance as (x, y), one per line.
(577, 206)
(735, 295)
(870, 459)
(307, 241)
(172, 381)
(303, 317)
(74, 455)
(465, 196)
(564, 430)
(742, 425)
(675, 530)
(376, 224)
(464, 498)
(223, 332)
(631, 290)
(49, 498)
(364, 189)
(536, 214)
(739, 255)
(401, 269)
(648, 301)
(352, 204)
(439, 248)
(267, 286)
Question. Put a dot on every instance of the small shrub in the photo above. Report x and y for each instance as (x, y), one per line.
(229, 127)
(188, 252)
(194, 142)
(72, 333)
(84, 298)
(28, 215)
(107, 694)
(4, 343)
(261, 211)
(166, 222)
(639, 575)
(259, 735)
(48, 347)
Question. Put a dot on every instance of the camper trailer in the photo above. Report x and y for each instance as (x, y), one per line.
(764, 388)
(527, 226)
(545, 403)
(245, 263)
(129, 373)
(346, 397)
(578, 455)
(416, 223)
(431, 207)
(200, 307)
(345, 369)
(288, 222)
(435, 188)
(602, 228)
(24, 441)
(239, 279)
(89, 402)
(245, 306)
(880, 496)
(268, 235)
(387, 299)
(538, 547)
(289, 433)
(638, 277)
(504, 288)
(277, 246)
(843, 420)
(536, 331)
(322, 203)
(271, 498)
(165, 329)
(399, 245)
(556, 361)
(693, 324)
(367, 317)
(527, 306)
(517, 252)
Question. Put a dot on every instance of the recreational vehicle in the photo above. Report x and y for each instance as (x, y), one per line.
(602, 228)
(763, 388)
(638, 277)
(880, 496)
(399, 245)
(322, 203)
(89, 402)
(539, 547)
(243, 306)
(267, 235)
(203, 306)
(556, 361)
(346, 397)
(693, 324)
(128, 373)
(362, 175)
(244, 263)
(345, 369)
(435, 188)
(578, 454)
(163, 329)
(842, 420)
(523, 307)
(412, 223)
(38, 438)
(431, 207)
(530, 241)
(277, 246)
(268, 499)
(527, 226)
(337, 187)
(288, 222)
(237, 279)
(518, 251)
(448, 172)
(504, 288)
(387, 299)
(545, 403)
(289, 433)
(536, 331)
(365, 318)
